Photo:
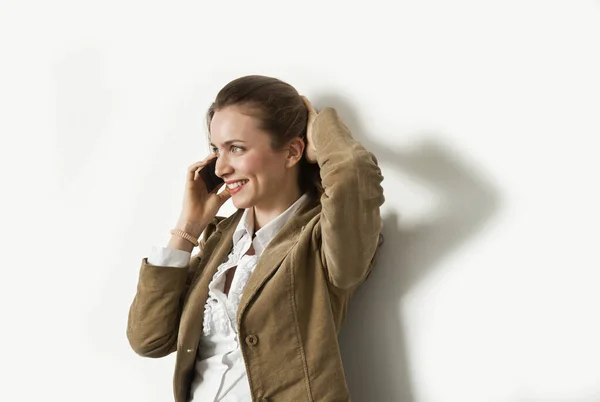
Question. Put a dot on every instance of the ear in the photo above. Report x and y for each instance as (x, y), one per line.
(295, 150)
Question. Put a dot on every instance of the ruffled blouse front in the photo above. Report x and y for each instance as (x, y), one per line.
(220, 369)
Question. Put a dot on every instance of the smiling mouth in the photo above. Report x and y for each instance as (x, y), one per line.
(237, 186)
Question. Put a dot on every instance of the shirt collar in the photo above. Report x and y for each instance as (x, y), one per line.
(265, 234)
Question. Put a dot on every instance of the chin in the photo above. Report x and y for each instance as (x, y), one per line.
(241, 203)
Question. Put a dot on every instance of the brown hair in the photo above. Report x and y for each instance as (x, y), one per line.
(281, 112)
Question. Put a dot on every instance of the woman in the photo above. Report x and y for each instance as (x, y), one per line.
(255, 314)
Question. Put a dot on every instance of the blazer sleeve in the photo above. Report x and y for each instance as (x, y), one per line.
(350, 224)
(154, 314)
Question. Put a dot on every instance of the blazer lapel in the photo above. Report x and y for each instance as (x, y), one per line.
(274, 254)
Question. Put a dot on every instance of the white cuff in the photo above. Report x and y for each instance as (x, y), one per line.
(169, 257)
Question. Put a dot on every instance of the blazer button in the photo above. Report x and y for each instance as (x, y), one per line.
(251, 340)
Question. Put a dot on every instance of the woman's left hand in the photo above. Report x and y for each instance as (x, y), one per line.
(310, 151)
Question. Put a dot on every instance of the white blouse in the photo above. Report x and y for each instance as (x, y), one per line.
(221, 372)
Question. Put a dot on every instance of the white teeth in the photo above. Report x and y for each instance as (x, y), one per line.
(237, 184)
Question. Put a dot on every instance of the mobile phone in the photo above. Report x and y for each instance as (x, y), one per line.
(207, 173)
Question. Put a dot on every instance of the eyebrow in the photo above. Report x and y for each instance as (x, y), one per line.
(227, 142)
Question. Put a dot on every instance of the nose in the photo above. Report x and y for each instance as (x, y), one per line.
(222, 167)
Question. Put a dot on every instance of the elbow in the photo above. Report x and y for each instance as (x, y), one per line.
(153, 348)
(345, 280)
(346, 283)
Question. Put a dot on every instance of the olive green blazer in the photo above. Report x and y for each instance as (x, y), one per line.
(295, 300)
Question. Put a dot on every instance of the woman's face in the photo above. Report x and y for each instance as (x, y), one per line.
(245, 154)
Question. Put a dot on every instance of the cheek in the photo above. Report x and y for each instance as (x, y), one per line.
(259, 165)
(249, 165)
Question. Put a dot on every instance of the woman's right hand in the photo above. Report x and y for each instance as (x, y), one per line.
(310, 152)
(200, 207)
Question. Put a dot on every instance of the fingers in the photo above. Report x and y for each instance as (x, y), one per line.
(223, 195)
(309, 105)
(195, 167)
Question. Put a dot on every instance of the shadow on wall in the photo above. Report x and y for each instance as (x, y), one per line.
(373, 344)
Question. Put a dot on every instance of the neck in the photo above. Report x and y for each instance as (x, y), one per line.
(263, 214)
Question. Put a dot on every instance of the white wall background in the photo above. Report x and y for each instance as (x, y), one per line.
(484, 116)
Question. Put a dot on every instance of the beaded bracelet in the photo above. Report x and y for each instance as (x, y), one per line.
(184, 235)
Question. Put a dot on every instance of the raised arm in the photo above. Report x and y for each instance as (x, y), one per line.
(350, 219)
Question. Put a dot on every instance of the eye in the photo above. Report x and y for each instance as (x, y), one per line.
(214, 150)
(236, 148)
